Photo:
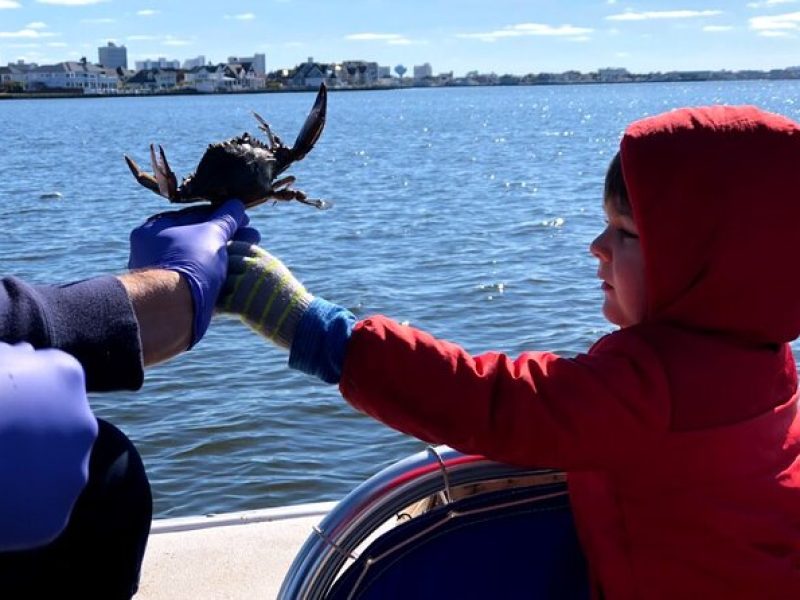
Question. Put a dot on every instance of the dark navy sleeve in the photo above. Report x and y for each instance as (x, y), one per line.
(92, 320)
(320, 341)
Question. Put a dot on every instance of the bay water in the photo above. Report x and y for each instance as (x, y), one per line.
(466, 211)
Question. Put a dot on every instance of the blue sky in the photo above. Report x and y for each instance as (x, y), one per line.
(504, 36)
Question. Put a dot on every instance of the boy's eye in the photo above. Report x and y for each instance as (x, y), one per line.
(624, 233)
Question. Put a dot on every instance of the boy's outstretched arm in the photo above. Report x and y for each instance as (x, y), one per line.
(539, 409)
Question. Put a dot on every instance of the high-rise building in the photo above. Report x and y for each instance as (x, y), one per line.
(259, 62)
(423, 71)
(191, 63)
(159, 63)
(113, 56)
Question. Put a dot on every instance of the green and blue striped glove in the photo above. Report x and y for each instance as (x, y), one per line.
(263, 293)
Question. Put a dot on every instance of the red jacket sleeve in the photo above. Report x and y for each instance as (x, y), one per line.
(596, 410)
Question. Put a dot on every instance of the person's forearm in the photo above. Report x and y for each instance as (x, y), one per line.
(162, 304)
(92, 320)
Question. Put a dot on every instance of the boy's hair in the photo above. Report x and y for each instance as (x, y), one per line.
(615, 192)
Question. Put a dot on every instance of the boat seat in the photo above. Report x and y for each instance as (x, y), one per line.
(442, 524)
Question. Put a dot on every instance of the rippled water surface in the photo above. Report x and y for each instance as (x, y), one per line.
(467, 212)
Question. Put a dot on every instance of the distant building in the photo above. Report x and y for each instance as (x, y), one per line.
(155, 80)
(259, 62)
(112, 56)
(191, 63)
(312, 74)
(358, 72)
(384, 72)
(423, 71)
(160, 63)
(613, 75)
(70, 75)
(208, 78)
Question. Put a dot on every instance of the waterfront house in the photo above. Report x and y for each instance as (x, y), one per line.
(73, 76)
(5, 78)
(311, 74)
(234, 77)
(205, 78)
(155, 80)
(247, 76)
(358, 72)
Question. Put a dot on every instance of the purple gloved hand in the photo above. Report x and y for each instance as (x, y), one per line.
(46, 434)
(193, 242)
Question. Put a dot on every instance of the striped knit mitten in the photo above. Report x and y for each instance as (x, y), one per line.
(263, 293)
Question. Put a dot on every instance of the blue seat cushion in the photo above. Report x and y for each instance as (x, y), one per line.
(526, 550)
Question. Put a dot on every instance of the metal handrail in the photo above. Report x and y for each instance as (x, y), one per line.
(374, 502)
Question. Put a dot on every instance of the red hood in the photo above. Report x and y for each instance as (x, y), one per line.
(715, 193)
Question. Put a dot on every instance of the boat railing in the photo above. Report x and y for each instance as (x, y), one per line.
(439, 472)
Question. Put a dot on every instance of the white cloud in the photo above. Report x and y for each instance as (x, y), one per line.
(9, 4)
(717, 28)
(147, 12)
(375, 37)
(768, 3)
(662, 14)
(529, 29)
(391, 39)
(241, 17)
(25, 34)
(70, 2)
(36, 25)
(173, 41)
(776, 25)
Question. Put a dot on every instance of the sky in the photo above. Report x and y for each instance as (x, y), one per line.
(501, 36)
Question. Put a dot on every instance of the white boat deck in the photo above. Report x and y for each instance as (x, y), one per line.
(234, 556)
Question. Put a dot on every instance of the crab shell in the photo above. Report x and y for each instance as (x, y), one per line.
(243, 167)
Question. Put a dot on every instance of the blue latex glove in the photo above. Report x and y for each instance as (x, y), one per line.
(46, 434)
(192, 242)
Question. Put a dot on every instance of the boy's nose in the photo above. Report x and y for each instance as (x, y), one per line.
(599, 250)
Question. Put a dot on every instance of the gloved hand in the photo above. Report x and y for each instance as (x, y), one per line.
(46, 434)
(192, 242)
(263, 293)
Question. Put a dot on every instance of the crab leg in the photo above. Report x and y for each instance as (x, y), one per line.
(283, 183)
(264, 126)
(286, 194)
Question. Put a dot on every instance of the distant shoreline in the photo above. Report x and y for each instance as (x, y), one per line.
(49, 95)
(58, 95)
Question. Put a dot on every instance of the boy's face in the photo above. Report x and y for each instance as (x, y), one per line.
(621, 268)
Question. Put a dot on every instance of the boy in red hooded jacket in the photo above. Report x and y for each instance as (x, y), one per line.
(680, 431)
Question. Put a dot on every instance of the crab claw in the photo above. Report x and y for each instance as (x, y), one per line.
(312, 128)
(144, 179)
(165, 178)
(308, 136)
(163, 181)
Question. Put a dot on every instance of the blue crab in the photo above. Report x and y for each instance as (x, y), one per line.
(243, 167)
